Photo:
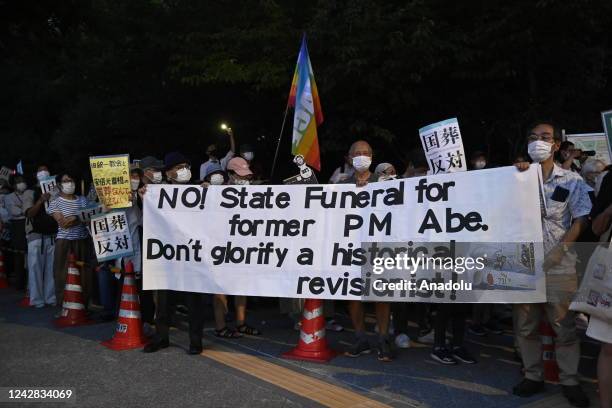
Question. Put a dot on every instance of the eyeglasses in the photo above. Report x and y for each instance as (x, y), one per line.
(545, 137)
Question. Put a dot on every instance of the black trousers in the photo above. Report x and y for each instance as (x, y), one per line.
(166, 301)
(456, 314)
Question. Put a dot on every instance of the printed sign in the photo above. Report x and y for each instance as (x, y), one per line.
(111, 177)
(592, 141)
(49, 185)
(111, 236)
(328, 241)
(443, 147)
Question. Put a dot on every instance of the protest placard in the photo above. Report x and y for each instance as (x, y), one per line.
(92, 209)
(49, 185)
(111, 236)
(443, 147)
(606, 118)
(111, 178)
(597, 142)
(5, 173)
(326, 241)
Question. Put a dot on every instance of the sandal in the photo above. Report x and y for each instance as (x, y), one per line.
(251, 331)
(227, 333)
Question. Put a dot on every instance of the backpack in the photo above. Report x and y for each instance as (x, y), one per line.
(43, 223)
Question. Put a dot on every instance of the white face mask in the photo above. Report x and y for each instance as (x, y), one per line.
(183, 175)
(42, 175)
(480, 164)
(216, 179)
(68, 188)
(385, 177)
(539, 150)
(134, 184)
(21, 187)
(157, 177)
(248, 156)
(362, 163)
(241, 182)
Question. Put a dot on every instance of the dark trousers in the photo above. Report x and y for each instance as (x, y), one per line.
(166, 301)
(83, 250)
(147, 305)
(455, 314)
(401, 311)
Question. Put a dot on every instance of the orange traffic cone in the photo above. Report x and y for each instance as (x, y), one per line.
(312, 345)
(25, 302)
(551, 369)
(128, 333)
(73, 312)
(3, 279)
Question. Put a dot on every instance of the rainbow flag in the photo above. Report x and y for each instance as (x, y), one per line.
(304, 97)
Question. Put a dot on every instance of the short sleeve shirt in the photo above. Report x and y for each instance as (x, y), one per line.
(353, 179)
(567, 198)
(69, 208)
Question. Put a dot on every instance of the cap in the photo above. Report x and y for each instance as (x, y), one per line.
(239, 166)
(151, 162)
(382, 167)
(174, 158)
(210, 168)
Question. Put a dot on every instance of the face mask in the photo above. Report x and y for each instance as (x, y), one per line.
(42, 175)
(21, 187)
(248, 156)
(216, 179)
(157, 177)
(386, 177)
(362, 163)
(134, 184)
(241, 182)
(480, 164)
(539, 150)
(68, 188)
(183, 175)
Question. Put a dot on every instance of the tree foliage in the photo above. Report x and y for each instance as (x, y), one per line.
(148, 76)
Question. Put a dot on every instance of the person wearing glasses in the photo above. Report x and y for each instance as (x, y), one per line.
(564, 217)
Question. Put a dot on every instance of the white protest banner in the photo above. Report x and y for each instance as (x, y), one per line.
(89, 211)
(314, 241)
(443, 147)
(111, 236)
(49, 185)
(597, 142)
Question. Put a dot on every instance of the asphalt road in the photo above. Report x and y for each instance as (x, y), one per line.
(33, 353)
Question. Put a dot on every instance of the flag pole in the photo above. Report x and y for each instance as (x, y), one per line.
(280, 136)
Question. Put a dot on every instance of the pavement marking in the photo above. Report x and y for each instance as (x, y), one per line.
(314, 389)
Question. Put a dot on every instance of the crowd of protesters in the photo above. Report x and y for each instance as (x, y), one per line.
(38, 233)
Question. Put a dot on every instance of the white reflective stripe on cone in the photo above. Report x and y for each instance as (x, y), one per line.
(73, 288)
(130, 314)
(309, 338)
(313, 314)
(73, 305)
(73, 271)
(128, 280)
(128, 297)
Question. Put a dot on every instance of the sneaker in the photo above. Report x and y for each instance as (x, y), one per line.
(402, 341)
(332, 325)
(385, 352)
(442, 356)
(493, 327)
(528, 388)
(359, 348)
(461, 354)
(575, 395)
(477, 330)
(426, 337)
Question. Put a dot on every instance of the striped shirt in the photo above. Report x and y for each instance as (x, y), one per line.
(69, 208)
